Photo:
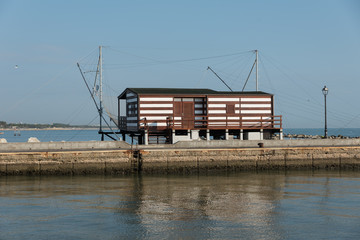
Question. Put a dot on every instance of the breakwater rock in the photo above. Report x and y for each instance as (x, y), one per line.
(305, 136)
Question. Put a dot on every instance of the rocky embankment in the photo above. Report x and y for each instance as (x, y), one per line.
(304, 136)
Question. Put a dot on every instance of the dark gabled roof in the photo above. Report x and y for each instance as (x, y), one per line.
(245, 92)
(188, 91)
(172, 90)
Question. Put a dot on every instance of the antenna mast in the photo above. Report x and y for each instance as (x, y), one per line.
(257, 69)
(100, 104)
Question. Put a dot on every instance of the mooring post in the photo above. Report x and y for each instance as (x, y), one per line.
(146, 137)
(226, 134)
(173, 136)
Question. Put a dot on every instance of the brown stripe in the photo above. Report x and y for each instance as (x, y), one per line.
(157, 108)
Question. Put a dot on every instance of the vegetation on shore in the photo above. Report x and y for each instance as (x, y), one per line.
(5, 125)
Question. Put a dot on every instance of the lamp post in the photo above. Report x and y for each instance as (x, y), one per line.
(325, 91)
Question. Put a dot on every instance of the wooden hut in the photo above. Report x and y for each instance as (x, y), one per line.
(159, 115)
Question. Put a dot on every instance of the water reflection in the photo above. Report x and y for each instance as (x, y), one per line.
(224, 206)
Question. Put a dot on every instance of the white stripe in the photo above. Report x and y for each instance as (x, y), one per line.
(223, 99)
(256, 118)
(251, 124)
(149, 99)
(155, 105)
(255, 99)
(155, 111)
(217, 105)
(233, 118)
(237, 111)
(177, 118)
(255, 111)
(257, 105)
(217, 111)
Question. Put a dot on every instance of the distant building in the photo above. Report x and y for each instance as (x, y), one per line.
(159, 115)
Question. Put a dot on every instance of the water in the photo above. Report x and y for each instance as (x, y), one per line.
(92, 135)
(246, 205)
(52, 135)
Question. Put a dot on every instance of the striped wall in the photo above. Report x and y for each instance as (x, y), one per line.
(220, 111)
(250, 110)
(155, 110)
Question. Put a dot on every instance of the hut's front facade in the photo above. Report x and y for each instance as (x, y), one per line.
(171, 114)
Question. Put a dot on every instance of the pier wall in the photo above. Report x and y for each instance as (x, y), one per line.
(52, 146)
(119, 158)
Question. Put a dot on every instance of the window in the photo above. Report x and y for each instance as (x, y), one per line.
(230, 108)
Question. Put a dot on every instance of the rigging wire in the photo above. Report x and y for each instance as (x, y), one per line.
(81, 130)
(337, 116)
(288, 77)
(181, 60)
(229, 61)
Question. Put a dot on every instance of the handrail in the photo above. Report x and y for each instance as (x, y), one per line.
(203, 122)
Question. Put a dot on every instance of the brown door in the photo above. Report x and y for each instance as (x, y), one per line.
(177, 109)
(188, 115)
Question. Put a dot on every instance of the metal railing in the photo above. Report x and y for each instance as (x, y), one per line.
(203, 122)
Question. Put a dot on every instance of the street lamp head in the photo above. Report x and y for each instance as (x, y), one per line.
(325, 90)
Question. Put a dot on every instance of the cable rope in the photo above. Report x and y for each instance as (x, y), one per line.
(306, 103)
(289, 77)
(82, 129)
(338, 115)
(182, 60)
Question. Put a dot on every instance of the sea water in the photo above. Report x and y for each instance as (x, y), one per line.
(92, 135)
(244, 205)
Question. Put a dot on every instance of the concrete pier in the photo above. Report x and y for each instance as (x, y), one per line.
(79, 158)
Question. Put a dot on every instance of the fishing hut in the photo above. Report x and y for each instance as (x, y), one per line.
(169, 115)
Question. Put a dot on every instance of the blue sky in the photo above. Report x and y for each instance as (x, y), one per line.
(303, 46)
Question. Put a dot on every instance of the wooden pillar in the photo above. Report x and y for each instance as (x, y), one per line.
(226, 134)
(172, 136)
(146, 137)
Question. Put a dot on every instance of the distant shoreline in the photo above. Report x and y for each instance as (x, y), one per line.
(46, 129)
